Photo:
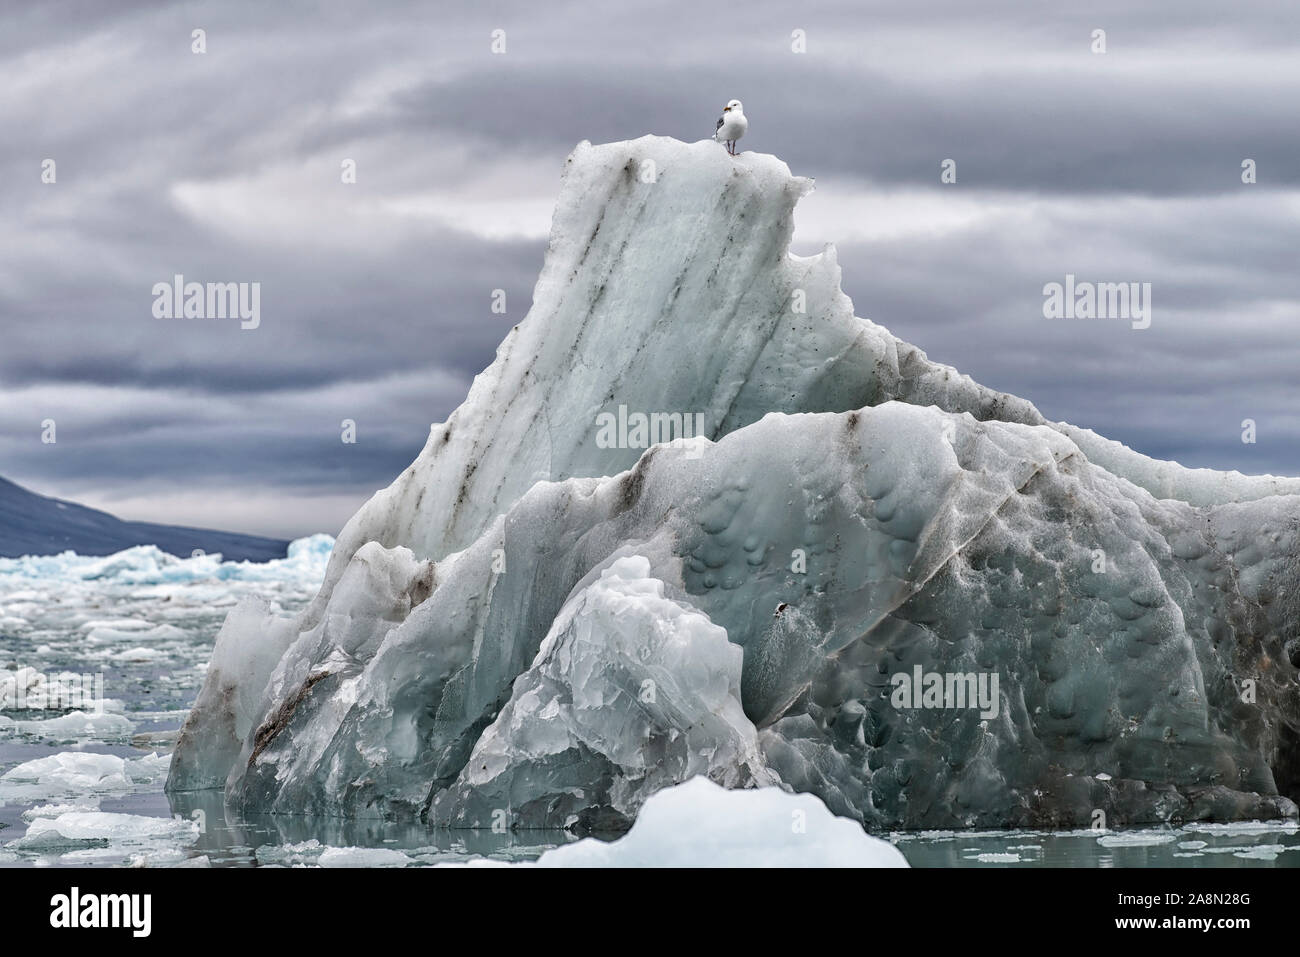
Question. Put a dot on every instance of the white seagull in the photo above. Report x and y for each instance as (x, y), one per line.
(731, 125)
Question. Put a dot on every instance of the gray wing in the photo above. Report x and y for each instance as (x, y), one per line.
(718, 127)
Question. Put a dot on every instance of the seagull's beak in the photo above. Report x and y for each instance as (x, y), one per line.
(726, 109)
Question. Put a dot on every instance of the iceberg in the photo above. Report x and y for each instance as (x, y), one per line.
(538, 626)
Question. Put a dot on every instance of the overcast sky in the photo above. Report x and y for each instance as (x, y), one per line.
(225, 166)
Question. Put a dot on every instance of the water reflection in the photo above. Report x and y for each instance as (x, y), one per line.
(232, 837)
(1245, 844)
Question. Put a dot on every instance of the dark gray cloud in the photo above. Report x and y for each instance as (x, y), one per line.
(1122, 166)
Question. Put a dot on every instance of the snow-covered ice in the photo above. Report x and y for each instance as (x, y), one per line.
(699, 824)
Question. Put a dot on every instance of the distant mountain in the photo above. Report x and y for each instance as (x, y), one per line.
(32, 524)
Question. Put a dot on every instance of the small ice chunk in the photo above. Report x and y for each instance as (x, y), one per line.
(1262, 852)
(169, 857)
(271, 854)
(362, 857)
(150, 769)
(699, 824)
(78, 724)
(1136, 839)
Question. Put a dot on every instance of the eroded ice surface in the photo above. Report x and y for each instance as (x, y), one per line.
(855, 512)
(630, 692)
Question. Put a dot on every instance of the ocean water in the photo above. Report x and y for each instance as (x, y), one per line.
(117, 648)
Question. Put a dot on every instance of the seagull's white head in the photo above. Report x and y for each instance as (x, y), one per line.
(734, 106)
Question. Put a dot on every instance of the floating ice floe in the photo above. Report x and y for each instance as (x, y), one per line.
(1262, 852)
(1136, 839)
(78, 773)
(102, 726)
(100, 829)
(362, 857)
(169, 857)
(314, 854)
(997, 857)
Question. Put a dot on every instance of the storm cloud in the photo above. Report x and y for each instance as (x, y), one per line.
(225, 166)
